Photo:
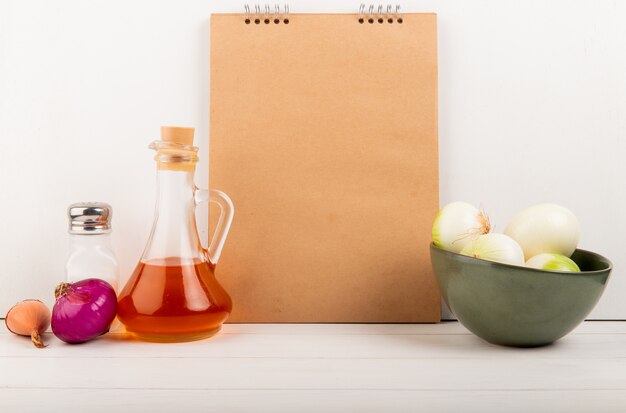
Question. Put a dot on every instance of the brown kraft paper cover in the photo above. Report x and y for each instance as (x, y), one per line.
(324, 134)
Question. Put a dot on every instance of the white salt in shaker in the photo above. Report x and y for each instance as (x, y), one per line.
(91, 254)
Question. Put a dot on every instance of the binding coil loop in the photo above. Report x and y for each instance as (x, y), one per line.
(398, 15)
(379, 13)
(257, 13)
(265, 15)
(266, 20)
(247, 13)
(276, 13)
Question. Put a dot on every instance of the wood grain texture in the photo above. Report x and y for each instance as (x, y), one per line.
(321, 368)
(314, 401)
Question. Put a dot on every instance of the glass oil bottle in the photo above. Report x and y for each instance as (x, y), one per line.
(173, 294)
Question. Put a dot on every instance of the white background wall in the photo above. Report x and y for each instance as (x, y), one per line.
(532, 109)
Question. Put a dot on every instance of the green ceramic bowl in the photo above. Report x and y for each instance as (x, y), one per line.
(518, 306)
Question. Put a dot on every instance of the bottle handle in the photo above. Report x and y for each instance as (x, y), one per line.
(227, 210)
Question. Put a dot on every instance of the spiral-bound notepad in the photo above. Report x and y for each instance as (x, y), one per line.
(324, 133)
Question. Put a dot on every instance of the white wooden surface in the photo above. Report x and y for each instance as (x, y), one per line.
(532, 109)
(319, 368)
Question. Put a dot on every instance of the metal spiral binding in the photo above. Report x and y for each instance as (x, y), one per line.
(266, 20)
(276, 14)
(378, 14)
(375, 13)
(257, 12)
(246, 13)
(266, 14)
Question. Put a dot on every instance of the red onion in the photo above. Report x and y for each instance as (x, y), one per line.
(83, 310)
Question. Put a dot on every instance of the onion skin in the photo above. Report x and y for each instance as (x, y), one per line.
(84, 310)
(29, 318)
(457, 224)
(552, 262)
(545, 228)
(495, 247)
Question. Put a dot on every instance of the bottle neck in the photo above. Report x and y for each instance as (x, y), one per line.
(174, 238)
(175, 193)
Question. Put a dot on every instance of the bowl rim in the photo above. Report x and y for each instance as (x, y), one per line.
(609, 267)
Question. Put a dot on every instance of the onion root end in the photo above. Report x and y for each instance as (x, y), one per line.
(35, 337)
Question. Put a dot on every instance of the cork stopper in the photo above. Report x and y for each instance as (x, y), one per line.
(177, 134)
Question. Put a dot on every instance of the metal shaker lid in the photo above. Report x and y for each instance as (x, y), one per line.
(89, 218)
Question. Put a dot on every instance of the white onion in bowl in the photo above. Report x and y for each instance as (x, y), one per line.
(457, 224)
(545, 228)
(552, 262)
(495, 247)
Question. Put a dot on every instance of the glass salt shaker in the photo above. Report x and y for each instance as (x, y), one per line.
(91, 250)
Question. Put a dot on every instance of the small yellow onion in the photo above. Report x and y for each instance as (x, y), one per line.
(29, 318)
